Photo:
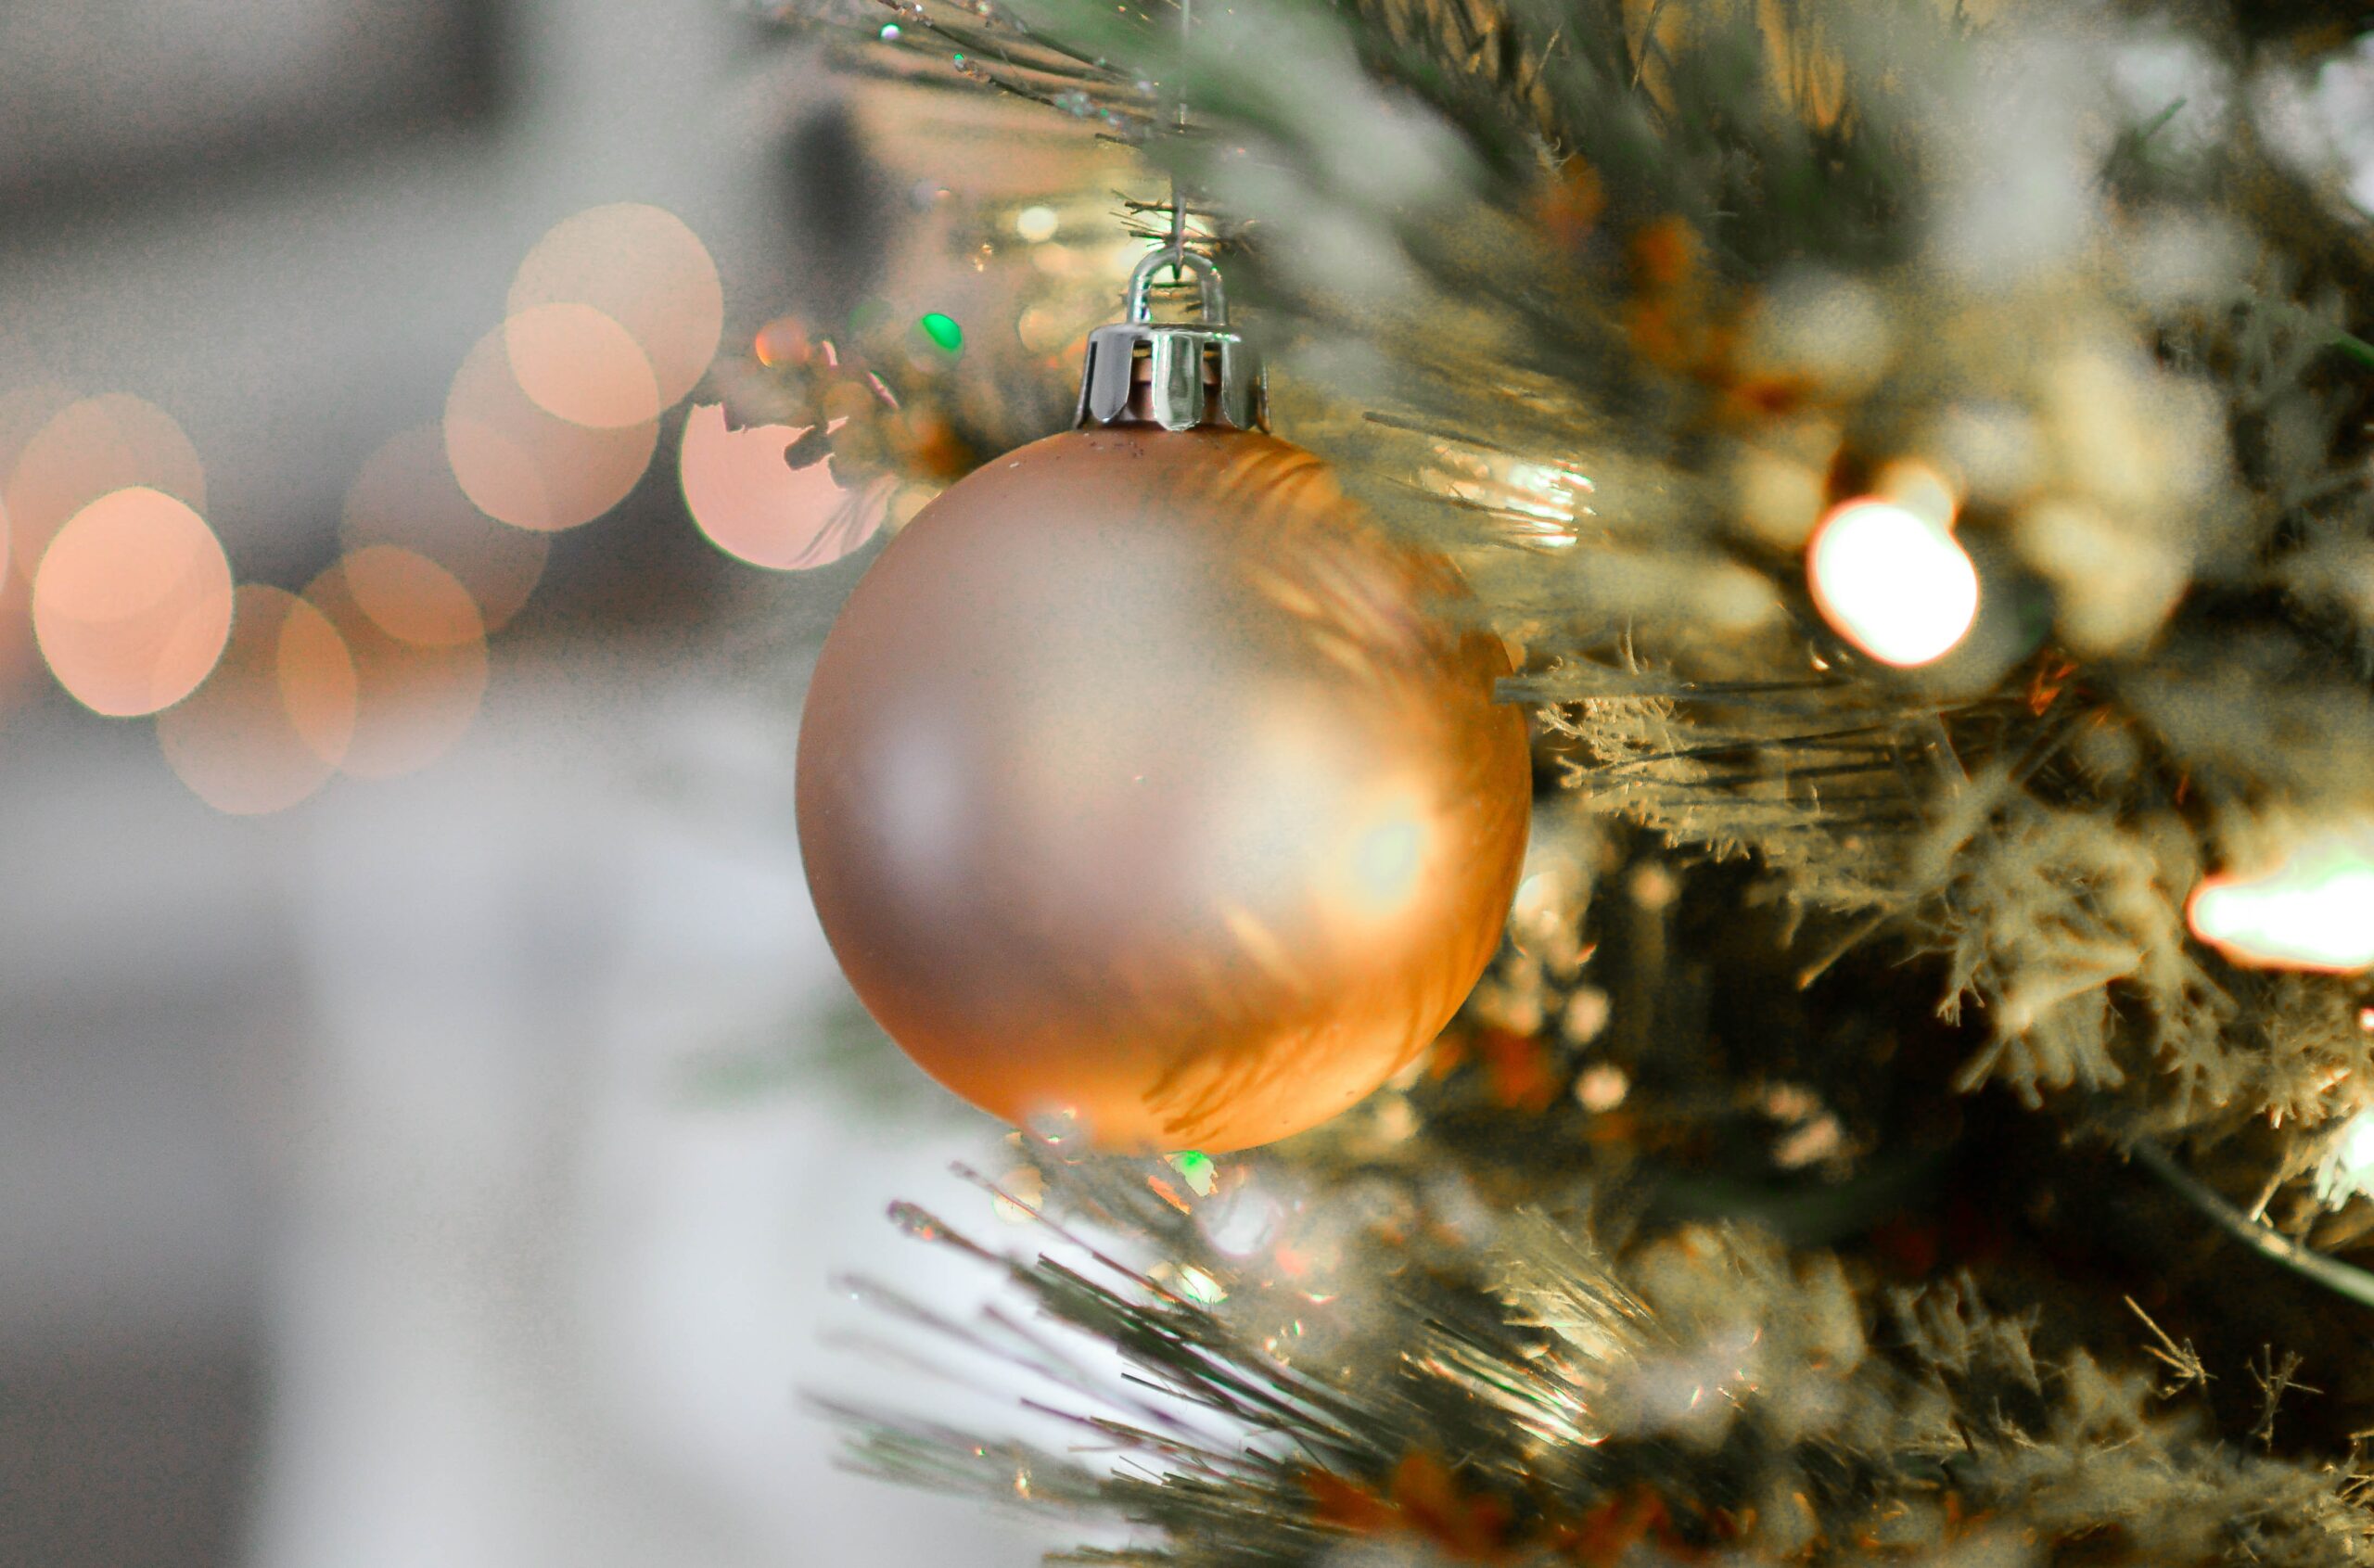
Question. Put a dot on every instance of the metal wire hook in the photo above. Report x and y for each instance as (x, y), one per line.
(1207, 279)
(1177, 251)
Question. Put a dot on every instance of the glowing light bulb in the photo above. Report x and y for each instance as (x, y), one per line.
(1892, 580)
(2315, 910)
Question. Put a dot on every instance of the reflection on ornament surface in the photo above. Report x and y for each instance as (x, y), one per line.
(1891, 580)
(1138, 782)
(2315, 910)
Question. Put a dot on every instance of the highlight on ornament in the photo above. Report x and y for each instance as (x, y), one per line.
(2312, 910)
(1889, 577)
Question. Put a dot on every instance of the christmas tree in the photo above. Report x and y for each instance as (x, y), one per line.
(1915, 457)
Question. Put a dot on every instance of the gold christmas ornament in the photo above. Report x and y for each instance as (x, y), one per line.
(1139, 784)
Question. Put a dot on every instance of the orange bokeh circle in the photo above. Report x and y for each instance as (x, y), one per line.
(270, 726)
(90, 447)
(642, 268)
(416, 698)
(754, 505)
(132, 601)
(524, 465)
(404, 495)
(577, 364)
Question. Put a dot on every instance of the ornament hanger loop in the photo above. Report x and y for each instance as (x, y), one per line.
(1178, 374)
(1207, 279)
(1175, 375)
(1178, 247)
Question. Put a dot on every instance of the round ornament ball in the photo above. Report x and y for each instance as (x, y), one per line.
(1140, 785)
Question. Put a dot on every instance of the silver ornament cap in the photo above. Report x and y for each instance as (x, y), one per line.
(1178, 376)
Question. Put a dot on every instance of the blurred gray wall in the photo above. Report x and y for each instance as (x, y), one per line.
(352, 1208)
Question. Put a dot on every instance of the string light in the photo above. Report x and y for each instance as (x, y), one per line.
(577, 364)
(523, 464)
(1892, 580)
(2347, 1169)
(2312, 911)
(404, 494)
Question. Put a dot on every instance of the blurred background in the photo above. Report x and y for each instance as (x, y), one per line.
(431, 1119)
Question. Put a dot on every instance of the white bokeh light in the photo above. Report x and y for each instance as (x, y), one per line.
(2347, 1169)
(1892, 582)
(2315, 910)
